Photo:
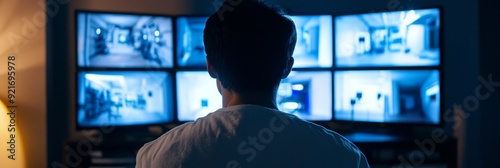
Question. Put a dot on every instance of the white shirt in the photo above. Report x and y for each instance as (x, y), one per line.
(245, 136)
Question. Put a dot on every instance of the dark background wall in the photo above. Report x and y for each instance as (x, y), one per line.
(489, 63)
(463, 61)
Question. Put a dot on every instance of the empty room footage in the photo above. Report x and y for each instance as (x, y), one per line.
(123, 40)
(313, 47)
(307, 95)
(402, 38)
(314, 41)
(123, 98)
(197, 95)
(304, 94)
(190, 47)
(395, 96)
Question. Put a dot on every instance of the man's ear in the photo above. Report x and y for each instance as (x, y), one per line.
(210, 69)
(288, 69)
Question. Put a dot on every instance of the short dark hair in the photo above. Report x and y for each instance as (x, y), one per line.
(249, 45)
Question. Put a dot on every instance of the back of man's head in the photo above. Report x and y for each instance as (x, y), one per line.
(249, 43)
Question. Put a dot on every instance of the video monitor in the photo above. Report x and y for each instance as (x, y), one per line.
(190, 47)
(313, 47)
(307, 94)
(314, 41)
(399, 38)
(124, 98)
(124, 40)
(388, 96)
(197, 95)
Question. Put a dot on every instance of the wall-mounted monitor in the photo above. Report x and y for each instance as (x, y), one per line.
(197, 95)
(314, 41)
(397, 38)
(190, 47)
(313, 47)
(124, 98)
(113, 40)
(307, 94)
(388, 96)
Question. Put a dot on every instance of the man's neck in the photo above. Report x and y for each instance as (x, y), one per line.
(264, 99)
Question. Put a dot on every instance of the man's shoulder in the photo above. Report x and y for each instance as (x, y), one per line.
(329, 139)
(182, 141)
(327, 146)
(199, 138)
(182, 133)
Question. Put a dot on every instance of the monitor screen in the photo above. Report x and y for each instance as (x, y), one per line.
(400, 38)
(124, 98)
(307, 94)
(313, 47)
(190, 47)
(388, 96)
(124, 40)
(197, 95)
(314, 41)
